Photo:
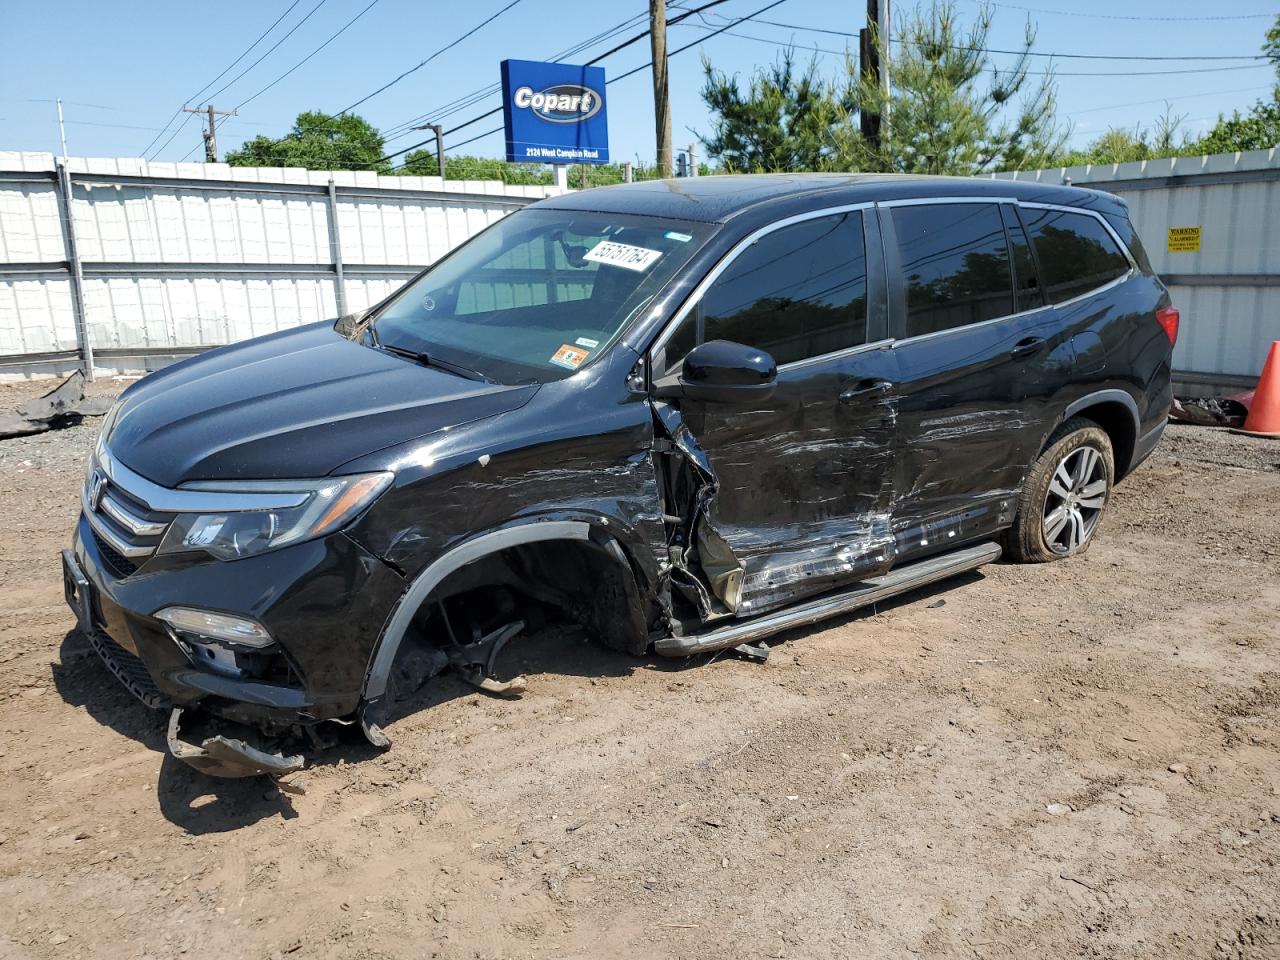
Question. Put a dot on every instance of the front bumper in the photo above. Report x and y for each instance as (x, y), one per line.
(324, 603)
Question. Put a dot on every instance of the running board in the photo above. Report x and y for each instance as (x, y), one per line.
(901, 580)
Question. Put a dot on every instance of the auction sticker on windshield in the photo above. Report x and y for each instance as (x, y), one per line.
(569, 356)
(622, 255)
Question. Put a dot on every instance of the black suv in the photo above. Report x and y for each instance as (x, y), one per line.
(686, 414)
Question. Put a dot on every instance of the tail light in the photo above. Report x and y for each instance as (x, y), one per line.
(1169, 317)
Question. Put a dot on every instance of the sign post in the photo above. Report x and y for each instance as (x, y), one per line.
(554, 113)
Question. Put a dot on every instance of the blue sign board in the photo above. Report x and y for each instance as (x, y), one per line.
(554, 113)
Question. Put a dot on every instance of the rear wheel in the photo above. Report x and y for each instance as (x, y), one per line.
(1064, 496)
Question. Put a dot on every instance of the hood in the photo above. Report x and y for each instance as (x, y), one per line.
(290, 405)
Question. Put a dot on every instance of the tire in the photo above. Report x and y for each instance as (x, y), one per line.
(1064, 496)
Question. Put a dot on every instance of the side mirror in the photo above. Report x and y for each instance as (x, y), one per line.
(721, 371)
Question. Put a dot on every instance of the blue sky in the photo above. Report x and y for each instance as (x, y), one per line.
(122, 69)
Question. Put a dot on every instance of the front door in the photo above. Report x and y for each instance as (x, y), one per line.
(979, 356)
(798, 487)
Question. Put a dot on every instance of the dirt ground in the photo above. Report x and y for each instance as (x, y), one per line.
(1075, 759)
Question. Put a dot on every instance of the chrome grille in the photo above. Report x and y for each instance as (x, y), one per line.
(122, 521)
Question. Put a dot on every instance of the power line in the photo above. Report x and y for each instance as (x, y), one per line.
(1030, 73)
(1144, 18)
(1191, 96)
(274, 46)
(461, 103)
(423, 63)
(608, 53)
(125, 126)
(70, 103)
(176, 130)
(621, 76)
(341, 30)
(1030, 53)
(262, 36)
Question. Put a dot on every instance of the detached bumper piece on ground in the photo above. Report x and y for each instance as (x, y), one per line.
(222, 756)
(63, 406)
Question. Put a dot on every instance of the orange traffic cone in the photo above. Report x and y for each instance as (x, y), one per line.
(1264, 415)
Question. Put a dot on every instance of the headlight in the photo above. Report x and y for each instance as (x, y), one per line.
(325, 506)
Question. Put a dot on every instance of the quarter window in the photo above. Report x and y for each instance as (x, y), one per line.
(1026, 286)
(797, 292)
(1076, 252)
(955, 263)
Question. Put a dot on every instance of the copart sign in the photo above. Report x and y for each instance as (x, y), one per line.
(554, 112)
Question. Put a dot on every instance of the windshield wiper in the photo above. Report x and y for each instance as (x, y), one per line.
(429, 361)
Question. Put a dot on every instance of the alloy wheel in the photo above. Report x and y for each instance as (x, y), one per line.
(1073, 504)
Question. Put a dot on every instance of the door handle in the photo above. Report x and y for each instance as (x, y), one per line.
(1027, 346)
(865, 388)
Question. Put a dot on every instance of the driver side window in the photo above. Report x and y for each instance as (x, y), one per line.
(797, 292)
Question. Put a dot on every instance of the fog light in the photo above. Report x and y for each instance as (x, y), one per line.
(218, 626)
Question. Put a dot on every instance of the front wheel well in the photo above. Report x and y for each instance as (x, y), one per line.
(588, 582)
(537, 582)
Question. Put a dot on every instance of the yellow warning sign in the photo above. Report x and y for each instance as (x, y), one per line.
(1184, 239)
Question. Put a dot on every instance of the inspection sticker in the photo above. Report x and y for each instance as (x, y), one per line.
(569, 356)
(1184, 240)
(622, 255)
(587, 342)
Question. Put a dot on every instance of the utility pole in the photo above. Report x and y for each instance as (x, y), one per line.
(62, 130)
(438, 130)
(661, 96)
(211, 134)
(693, 159)
(874, 67)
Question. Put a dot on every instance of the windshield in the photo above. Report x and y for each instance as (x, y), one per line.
(539, 294)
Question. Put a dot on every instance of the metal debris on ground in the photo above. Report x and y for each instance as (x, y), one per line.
(63, 406)
(1212, 411)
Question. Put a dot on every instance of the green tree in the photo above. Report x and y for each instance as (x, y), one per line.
(784, 120)
(1257, 129)
(422, 163)
(320, 142)
(1119, 145)
(950, 111)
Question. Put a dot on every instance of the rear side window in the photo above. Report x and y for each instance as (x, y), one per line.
(1077, 253)
(955, 263)
(797, 292)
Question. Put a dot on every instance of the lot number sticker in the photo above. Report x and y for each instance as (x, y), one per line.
(1184, 239)
(622, 255)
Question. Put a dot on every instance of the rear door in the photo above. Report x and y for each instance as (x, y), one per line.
(979, 359)
(798, 486)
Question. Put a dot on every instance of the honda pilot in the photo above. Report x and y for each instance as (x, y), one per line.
(685, 414)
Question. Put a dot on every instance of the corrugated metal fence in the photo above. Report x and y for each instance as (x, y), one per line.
(1212, 228)
(144, 261)
(139, 262)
